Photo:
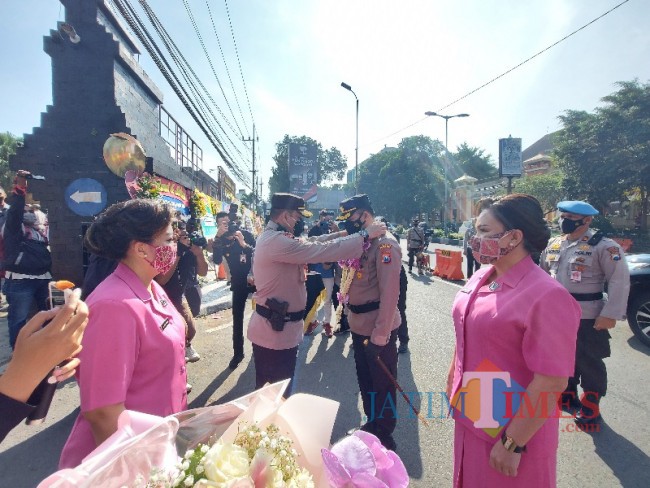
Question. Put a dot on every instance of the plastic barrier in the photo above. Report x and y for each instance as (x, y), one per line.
(449, 264)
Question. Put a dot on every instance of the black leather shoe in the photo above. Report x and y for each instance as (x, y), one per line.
(403, 348)
(234, 362)
(367, 427)
(587, 421)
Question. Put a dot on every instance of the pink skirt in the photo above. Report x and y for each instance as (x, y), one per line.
(472, 468)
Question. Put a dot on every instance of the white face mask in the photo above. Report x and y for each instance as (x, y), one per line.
(486, 249)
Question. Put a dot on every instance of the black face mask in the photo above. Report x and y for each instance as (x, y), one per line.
(299, 228)
(568, 226)
(353, 226)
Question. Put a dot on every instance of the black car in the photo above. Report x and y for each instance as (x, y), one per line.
(638, 304)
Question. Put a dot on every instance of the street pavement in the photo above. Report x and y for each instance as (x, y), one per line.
(616, 456)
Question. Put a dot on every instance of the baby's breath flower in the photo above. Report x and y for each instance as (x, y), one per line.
(204, 448)
(189, 481)
(189, 454)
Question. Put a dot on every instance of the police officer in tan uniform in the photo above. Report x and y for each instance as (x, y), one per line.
(584, 261)
(276, 326)
(374, 319)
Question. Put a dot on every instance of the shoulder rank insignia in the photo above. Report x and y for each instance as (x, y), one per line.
(614, 253)
(555, 246)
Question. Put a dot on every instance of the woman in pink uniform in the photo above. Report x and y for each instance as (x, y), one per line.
(524, 323)
(133, 355)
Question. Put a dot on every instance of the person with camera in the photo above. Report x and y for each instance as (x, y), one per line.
(190, 262)
(276, 326)
(236, 246)
(27, 260)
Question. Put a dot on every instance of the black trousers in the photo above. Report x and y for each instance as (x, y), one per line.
(412, 252)
(403, 331)
(472, 264)
(590, 370)
(239, 296)
(377, 390)
(273, 365)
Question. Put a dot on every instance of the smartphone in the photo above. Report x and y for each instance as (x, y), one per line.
(56, 296)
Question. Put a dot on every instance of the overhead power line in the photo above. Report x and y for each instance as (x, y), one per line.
(504, 73)
(191, 99)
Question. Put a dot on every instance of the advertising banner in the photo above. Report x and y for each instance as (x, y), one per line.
(303, 168)
(510, 163)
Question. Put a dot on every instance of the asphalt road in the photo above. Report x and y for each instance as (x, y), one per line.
(616, 456)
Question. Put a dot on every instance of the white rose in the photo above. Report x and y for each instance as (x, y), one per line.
(226, 463)
(301, 480)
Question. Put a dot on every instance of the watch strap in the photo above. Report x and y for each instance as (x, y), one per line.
(510, 444)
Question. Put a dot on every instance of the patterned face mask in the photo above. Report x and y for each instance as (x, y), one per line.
(164, 258)
(486, 249)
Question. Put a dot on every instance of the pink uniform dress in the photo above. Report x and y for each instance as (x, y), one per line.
(524, 323)
(133, 353)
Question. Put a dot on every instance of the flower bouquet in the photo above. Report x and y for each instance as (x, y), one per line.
(259, 440)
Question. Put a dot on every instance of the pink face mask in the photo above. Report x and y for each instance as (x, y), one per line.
(486, 249)
(164, 258)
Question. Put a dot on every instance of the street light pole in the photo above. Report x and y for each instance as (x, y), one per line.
(444, 168)
(356, 147)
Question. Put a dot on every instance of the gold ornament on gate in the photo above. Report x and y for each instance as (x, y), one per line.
(123, 152)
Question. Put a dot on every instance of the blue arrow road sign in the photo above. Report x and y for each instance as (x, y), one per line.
(85, 197)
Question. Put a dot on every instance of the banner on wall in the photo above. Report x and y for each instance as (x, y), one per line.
(174, 194)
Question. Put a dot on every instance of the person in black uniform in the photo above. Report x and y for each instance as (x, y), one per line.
(236, 246)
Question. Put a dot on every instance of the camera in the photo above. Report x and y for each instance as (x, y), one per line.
(198, 240)
(232, 227)
(325, 227)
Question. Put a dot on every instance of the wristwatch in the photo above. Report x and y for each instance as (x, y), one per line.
(509, 443)
(364, 233)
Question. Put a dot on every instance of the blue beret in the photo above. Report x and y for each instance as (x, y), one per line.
(577, 207)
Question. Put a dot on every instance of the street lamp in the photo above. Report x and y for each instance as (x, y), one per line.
(444, 169)
(356, 148)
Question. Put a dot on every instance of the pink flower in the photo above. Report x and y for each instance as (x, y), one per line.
(360, 461)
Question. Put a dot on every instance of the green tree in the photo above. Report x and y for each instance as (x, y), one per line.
(8, 145)
(547, 188)
(606, 155)
(331, 163)
(404, 181)
(474, 162)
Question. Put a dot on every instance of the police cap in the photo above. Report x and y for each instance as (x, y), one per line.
(577, 207)
(288, 201)
(350, 205)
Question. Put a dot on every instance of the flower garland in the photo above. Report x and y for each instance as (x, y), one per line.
(147, 186)
(256, 457)
(349, 269)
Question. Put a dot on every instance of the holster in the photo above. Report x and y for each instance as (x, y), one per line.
(278, 313)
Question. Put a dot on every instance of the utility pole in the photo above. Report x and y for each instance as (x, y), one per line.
(253, 186)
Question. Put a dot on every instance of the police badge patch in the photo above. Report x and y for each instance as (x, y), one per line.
(614, 253)
(384, 249)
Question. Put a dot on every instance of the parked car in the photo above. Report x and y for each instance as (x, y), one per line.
(638, 304)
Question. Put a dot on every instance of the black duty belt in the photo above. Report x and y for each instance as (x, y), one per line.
(366, 307)
(289, 317)
(587, 297)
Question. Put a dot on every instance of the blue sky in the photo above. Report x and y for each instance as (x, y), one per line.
(401, 58)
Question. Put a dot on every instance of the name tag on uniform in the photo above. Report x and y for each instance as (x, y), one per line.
(576, 276)
(164, 325)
